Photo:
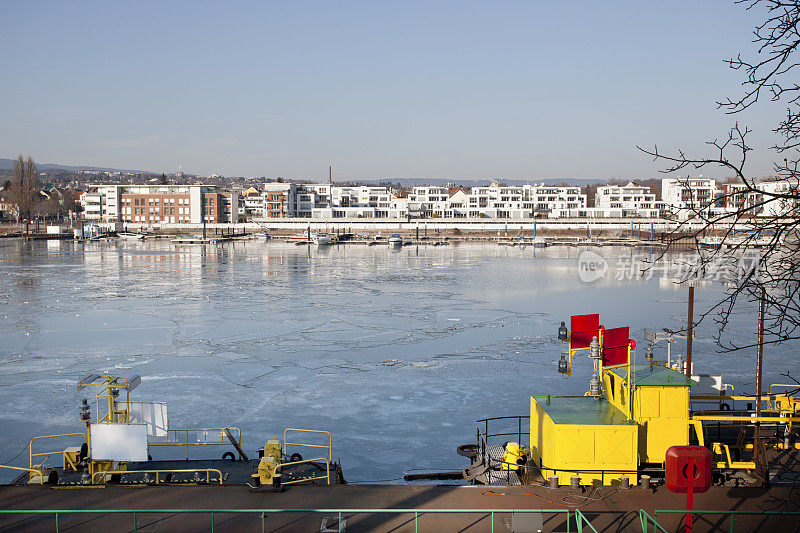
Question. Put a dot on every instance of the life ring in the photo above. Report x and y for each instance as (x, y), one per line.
(295, 457)
(724, 407)
(229, 455)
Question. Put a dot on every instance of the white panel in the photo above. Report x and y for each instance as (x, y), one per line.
(118, 442)
(152, 414)
(707, 385)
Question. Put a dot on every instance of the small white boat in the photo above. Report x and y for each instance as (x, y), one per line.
(395, 240)
(130, 235)
(321, 238)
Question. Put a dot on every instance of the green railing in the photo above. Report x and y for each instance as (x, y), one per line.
(731, 515)
(580, 521)
(645, 519)
(58, 513)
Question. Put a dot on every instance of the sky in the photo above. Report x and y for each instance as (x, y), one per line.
(462, 90)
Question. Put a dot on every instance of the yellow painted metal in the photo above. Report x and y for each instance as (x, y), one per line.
(513, 453)
(661, 411)
(267, 468)
(663, 417)
(326, 477)
(329, 446)
(96, 479)
(112, 385)
(722, 450)
(698, 431)
(272, 448)
(36, 476)
(71, 458)
(46, 455)
(598, 453)
(572, 351)
(745, 419)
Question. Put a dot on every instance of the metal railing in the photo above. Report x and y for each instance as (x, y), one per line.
(580, 521)
(484, 437)
(195, 471)
(326, 477)
(645, 520)
(206, 432)
(30, 470)
(48, 454)
(286, 443)
(58, 513)
(729, 514)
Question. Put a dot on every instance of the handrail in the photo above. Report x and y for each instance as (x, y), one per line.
(31, 455)
(208, 472)
(286, 443)
(645, 519)
(31, 470)
(222, 439)
(326, 477)
(264, 512)
(581, 520)
(793, 386)
(730, 514)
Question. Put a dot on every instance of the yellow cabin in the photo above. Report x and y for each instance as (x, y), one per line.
(660, 406)
(584, 436)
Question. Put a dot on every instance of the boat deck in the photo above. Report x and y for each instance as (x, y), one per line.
(608, 508)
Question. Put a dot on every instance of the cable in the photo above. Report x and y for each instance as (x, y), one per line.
(13, 458)
(562, 502)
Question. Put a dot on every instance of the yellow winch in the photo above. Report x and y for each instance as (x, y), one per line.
(513, 456)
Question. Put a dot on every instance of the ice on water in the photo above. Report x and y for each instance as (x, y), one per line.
(395, 351)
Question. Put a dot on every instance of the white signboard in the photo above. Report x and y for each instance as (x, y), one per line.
(118, 442)
(152, 414)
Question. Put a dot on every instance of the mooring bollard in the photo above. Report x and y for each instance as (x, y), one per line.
(575, 482)
(624, 481)
(553, 482)
(644, 482)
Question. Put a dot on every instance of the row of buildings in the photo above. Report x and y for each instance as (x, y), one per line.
(179, 204)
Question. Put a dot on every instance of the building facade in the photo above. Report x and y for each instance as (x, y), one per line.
(622, 201)
(684, 198)
(159, 204)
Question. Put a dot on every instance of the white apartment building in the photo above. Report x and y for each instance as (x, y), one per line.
(684, 197)
(622, 201)
(762, 201)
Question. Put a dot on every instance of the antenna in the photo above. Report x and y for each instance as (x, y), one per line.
(330, 174)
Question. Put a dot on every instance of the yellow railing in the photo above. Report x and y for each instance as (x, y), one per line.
(38, 473)
(326, 477)
(723, 450)
(47, 454)
(206, 433)
(286, 443)
(208, 472)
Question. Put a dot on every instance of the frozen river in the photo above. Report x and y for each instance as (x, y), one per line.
(396, 352)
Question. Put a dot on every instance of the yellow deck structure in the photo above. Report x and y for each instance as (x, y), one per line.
(660, 406)
(584, 436)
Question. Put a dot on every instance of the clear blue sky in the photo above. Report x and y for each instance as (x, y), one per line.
(464, 90)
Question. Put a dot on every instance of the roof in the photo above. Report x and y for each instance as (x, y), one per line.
(583, 410)
(655, 376)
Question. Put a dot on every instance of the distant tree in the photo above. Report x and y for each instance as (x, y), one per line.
(772, 77)
(24, 187)
(163, 179)
(7, 185)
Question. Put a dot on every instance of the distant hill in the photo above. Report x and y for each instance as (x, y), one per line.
(411, 182)
(6, 164)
